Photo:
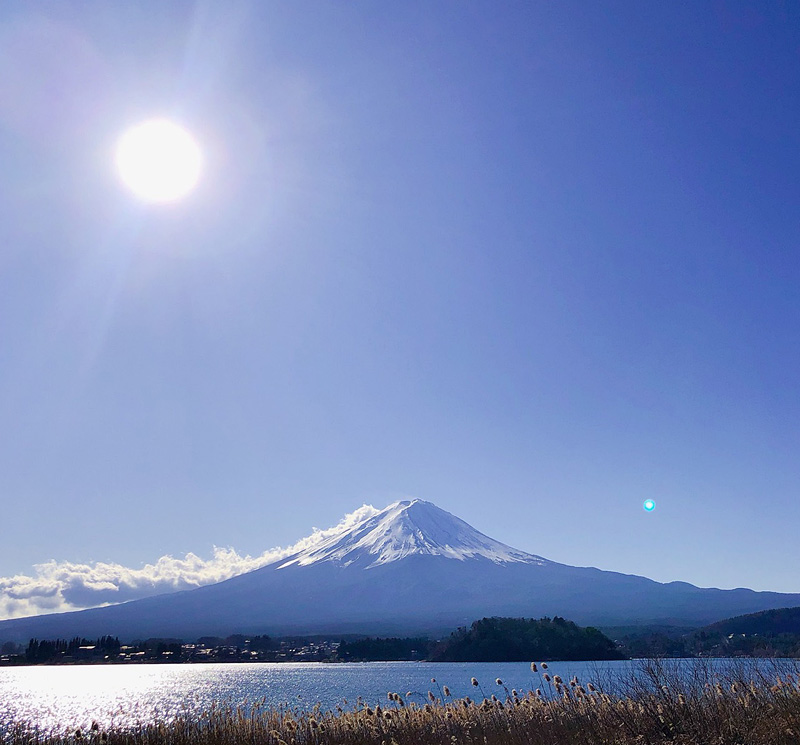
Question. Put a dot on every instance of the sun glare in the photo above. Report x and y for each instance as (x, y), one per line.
(158, 160)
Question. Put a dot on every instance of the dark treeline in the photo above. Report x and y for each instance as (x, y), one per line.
(389, 650)
(490, 639)
(50, 650)
(704, 643)
(767, 634)
(770, 633)
(494, 640)
(525, 639)
(259, 643)
(108, 649)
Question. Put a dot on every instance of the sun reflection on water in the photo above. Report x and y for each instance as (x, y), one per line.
(55, 698)
(59, 699)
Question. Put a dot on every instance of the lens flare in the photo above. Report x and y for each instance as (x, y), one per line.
(649, 505)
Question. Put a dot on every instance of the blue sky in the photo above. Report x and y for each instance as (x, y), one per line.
(534, 262)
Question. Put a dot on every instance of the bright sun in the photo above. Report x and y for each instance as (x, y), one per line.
(158, 160)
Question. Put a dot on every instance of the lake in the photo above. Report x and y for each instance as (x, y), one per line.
(54, 698)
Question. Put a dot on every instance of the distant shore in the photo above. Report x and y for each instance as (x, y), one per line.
(769, 634)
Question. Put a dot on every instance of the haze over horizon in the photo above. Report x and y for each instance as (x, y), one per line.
(534, 263)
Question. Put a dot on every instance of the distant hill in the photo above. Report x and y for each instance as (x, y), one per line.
(763, 623)
(770, 633)
(525, 639)
(493, 640)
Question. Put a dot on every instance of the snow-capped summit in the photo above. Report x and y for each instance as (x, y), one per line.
(429, 572)
(409, 527)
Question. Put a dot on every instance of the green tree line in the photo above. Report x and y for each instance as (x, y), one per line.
(49, 650)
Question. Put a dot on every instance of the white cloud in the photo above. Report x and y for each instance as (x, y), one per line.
(55, 587)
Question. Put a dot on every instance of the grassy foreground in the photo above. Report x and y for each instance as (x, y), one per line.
(657, 704)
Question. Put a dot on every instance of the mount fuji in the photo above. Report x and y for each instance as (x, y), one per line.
(410, 568)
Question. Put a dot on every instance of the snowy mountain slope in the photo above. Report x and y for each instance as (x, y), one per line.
(411, 527)
(410, 568)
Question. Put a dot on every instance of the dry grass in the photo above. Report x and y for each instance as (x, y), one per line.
(660, 703)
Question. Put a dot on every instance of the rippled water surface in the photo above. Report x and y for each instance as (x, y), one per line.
(55, 698)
